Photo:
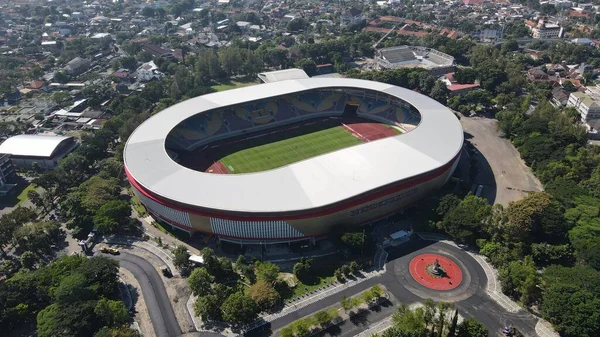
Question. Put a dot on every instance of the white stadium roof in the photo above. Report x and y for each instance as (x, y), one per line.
(282, 75)
(316, 182)
(31, 145)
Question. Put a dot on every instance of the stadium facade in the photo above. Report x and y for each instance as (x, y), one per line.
(306, 199)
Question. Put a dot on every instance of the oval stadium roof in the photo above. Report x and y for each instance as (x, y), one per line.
(309, 184)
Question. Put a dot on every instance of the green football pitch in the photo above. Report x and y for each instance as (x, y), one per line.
(287, 151)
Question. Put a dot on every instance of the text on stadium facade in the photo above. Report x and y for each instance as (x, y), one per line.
(382, 203)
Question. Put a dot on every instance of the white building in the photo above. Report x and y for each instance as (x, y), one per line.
(545, 30)
(148, 71)
(586, 103)
(45, 151)
(7, 171)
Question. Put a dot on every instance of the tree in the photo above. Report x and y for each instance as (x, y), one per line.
(409, 321)
(302, 270)
(72, 288)
(296, 25)
(29, 260)
(101, 274)
(112, 313)
(208, 308)
(523, 215)
(77, 319)
(61, 77)
(10, 222)
(439, 92)
(111, 216)
(355, 241)
(182, 259)
(570, 300)
(471, 328)
(266, 271)
(116, 332)
(453, 324)
(323, 317)
(264, 295)
(200, 281)
(309, 66)
(37, 236)
(464, 222)
(239, 309)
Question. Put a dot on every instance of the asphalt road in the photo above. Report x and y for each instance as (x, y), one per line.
(158, 303)
(470, 298)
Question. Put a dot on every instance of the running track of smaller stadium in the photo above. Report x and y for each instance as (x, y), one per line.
(365, 132)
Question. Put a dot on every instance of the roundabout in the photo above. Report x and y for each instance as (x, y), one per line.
(435, 272)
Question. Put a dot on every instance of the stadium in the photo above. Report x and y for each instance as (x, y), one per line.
(291, 160)
(434, 61)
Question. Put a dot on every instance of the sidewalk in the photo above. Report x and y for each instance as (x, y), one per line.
(290, 307)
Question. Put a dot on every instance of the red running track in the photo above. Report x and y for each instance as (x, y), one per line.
(418, 271)
(218, 168)
(368, 132)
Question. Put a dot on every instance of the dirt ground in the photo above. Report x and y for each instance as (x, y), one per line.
(141, 312)
(503, 174)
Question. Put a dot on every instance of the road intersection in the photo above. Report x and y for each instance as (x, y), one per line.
(471, 298)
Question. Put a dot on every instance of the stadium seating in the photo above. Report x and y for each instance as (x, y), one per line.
(234, 122)
(285, 110)
(248, 116)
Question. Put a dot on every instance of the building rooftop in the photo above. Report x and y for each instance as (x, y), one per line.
(32, 145)
(282, 75)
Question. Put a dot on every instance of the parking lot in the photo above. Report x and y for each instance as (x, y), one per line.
(501, 171)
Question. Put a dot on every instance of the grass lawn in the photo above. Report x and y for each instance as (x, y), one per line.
(302, 288)
(23, 195)
(287, 151)
(137, 205)
(232, 85)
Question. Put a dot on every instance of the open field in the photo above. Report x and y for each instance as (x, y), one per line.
(287, 151)
(501, 171)
(232, 85)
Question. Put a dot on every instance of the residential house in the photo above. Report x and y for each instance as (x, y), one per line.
(158, 51)
(148, 72)
(77, 65)
(350, 17)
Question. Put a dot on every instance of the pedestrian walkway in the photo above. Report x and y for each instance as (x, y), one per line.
(544, 329)
(320, 294)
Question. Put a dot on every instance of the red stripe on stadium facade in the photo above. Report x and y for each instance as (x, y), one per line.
(403, 185)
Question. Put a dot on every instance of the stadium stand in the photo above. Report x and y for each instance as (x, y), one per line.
(234, 122)
(260, 113)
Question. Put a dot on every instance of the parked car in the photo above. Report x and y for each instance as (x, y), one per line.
(109, 250)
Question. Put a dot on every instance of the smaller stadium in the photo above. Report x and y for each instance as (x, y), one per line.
(291, 160)
(436, 62)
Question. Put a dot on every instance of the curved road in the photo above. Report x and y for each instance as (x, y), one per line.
(158, 303)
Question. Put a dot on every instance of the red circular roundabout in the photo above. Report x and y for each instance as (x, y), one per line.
(421, 266)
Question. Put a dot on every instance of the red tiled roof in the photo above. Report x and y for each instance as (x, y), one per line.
(530, 23)
(37, 84)
(457, 87)
(450, 77)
